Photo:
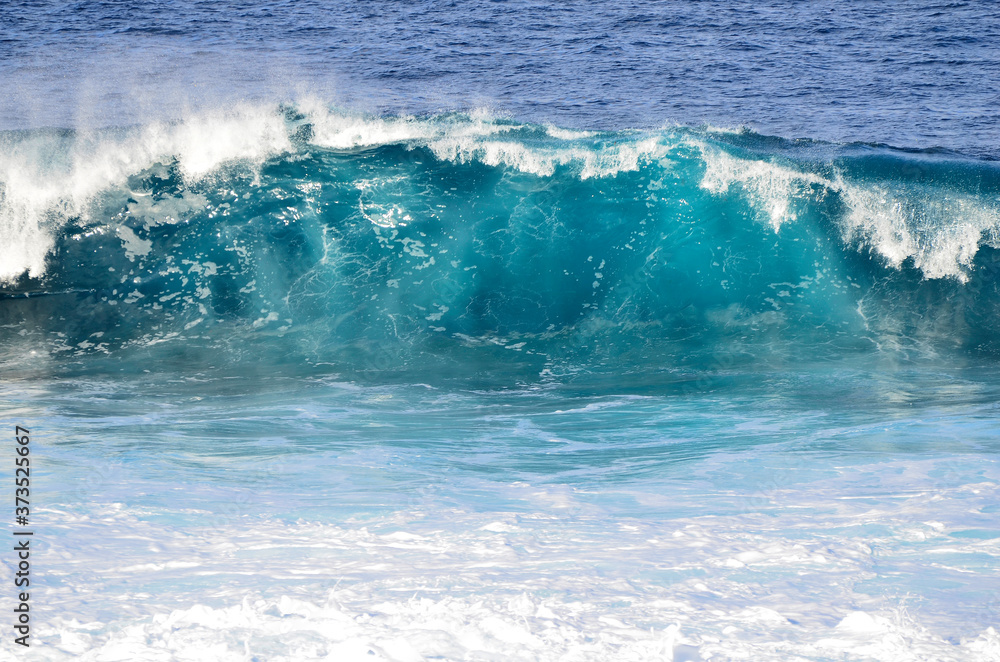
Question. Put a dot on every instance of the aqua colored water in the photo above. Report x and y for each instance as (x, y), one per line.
(503, 331)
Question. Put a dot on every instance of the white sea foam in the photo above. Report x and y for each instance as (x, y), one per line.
(566, 581)
(479, 137)
(771, 188)
(567, 134)
(166, 210)
(603, 162)
(48, 178)
(938, 229)
(339, 130)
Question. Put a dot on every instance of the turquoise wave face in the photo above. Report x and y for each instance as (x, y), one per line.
(302, 239)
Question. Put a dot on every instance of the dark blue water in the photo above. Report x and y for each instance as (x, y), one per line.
(504, 330)
(923, 74)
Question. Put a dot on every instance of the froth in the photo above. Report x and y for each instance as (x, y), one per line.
(771, 188)
(940, 231)
(937, 229)
(601, 162)
(479, 137)
(49, 178)
(464, 585)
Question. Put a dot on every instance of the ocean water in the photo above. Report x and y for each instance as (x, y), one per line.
(503, 330)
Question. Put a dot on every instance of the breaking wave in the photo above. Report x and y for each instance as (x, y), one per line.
(374, 244)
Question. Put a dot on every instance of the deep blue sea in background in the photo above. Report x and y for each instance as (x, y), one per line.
(504, 330)
(916, 74)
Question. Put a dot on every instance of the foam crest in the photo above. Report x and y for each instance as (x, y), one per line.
(772, 188)
(591, 161)
(203, 143)
(25, 238)
(48, 178)
(940, 231)
(481, 138)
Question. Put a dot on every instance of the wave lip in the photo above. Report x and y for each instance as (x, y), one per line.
(50, 177)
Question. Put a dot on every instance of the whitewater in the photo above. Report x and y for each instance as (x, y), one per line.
(502, 331)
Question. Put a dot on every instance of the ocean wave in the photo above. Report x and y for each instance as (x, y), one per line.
(376, 235)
